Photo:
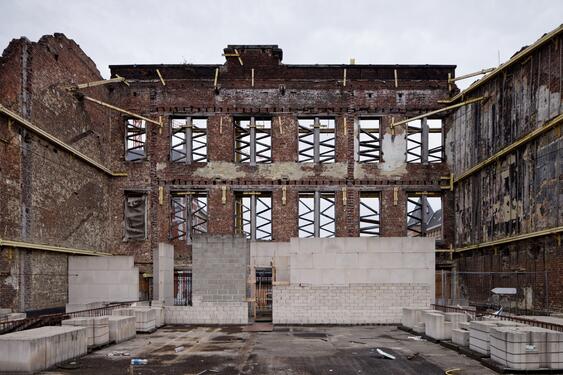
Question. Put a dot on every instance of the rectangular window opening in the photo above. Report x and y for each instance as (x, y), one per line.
(253, 140)
(369, 142)
(189, 215)
(253, 215)
(317, 214)
(188, 143)
(424, 216)
(135, 216)
(317, 140)
(425, 141)
(135, 139)
(369, 214)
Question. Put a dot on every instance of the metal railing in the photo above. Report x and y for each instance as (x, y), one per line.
(55, 319)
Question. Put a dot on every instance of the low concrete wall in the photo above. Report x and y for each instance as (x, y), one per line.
(352, 280)
(350, 304)
(40, 348)
(208, 313)
(102, 279)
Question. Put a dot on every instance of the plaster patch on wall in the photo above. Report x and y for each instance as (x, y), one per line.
(220, 169)
(160, 166)
(394, 159)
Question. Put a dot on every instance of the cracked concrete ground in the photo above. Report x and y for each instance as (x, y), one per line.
(286, 350)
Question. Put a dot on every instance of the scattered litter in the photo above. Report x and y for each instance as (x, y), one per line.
(325, 340)
(202, 372)
(497, 313)
(386, 355)
(139, 361)
(416, 338)
(357, 342)
(412, 356)
(179, 349)
(452, 371)
(119, 354)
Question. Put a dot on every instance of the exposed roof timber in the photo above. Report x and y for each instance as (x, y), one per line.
(98, 83)
(110, 106)
(58, 249)
(432, 113)
(514, 59)
(42, 133)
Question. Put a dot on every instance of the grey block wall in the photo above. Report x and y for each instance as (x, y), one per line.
(220, 268)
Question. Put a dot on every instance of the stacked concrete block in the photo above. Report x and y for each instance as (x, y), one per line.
(102, 279)
(437, 327)
(40, 348)
(97, 328)
(460, 337)
(554, 349)
(411, 317)
(121, 328)
(123, 312)
(455, 319)
(208, 313)
(145, 319)
(479, 333)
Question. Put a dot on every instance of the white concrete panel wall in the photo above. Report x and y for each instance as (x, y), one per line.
(102, 279)
(266, 254)
(163, 273)
(355, 280)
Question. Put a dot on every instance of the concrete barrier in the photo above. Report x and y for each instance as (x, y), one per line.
(411, 317)
(145, 319)
(436, 326)
(123, 312)
(479, 333)
(40, 348)
(121, 328)
(97, 328)
(460, 337)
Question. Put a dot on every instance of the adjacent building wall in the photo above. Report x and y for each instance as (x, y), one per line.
(49, 196)
(519, 193)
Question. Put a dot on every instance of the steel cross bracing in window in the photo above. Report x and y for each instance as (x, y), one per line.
(253, 215)
(317, 140)
(417, 215)
(253, 140)
(316, 214)
(369, 214)
(369, 147)
(189, 140)
(135, 139)
(189, 215)
(424, 141)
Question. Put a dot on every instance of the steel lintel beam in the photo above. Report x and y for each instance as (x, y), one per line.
(520, 237)
(111, 106)
(58, 249)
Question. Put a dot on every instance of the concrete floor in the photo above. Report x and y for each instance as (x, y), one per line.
(287, 350)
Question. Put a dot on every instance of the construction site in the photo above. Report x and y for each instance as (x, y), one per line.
(257, 217)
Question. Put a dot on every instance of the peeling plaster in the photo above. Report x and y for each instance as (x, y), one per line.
(220, 169)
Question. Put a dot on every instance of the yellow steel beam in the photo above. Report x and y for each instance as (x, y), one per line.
(506, 240)
(516, 58)
(97, 83)
(42, 133)
(110, 106)
(521, 141)
(161, 77)
(471, 101)
(469, 75)
(58, 249)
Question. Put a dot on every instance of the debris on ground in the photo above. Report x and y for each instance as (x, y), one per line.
(384, 354)
(357, 342)
(412, 356)
(179, 349)
(416, 338)
(139, 361)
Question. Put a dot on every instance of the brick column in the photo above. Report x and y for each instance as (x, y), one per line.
(393, 217)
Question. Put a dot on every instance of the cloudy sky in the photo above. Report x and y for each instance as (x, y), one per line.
(468, 33)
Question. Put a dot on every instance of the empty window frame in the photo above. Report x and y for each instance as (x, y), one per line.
(135, 216)
(369, 213)
(135, 139)
(316, 214)
(188, 142)
(425, 141)
(253, 215)
(253, 140)
(189, 215)
(317, 139)
(424, 215)
(369, 143)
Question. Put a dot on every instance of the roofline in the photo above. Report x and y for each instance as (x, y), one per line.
(352, 66)
(514, 59)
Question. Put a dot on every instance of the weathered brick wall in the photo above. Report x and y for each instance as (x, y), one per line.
(284, 93)
(51, 196)
(350, 304)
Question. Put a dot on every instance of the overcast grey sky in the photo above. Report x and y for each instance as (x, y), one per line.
(463, 32)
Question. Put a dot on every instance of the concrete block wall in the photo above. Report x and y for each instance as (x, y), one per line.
(208, 313)
(354, 280)
(350, 304)
(102, 279)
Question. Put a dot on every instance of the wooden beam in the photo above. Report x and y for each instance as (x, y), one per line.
(471, 101)
(161, 78)
(469, 75)
(97, 83)
(121, 110)
(42, 133)
(521, 141)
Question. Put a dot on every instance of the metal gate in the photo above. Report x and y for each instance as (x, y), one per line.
(263, 294)
(183, 288)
